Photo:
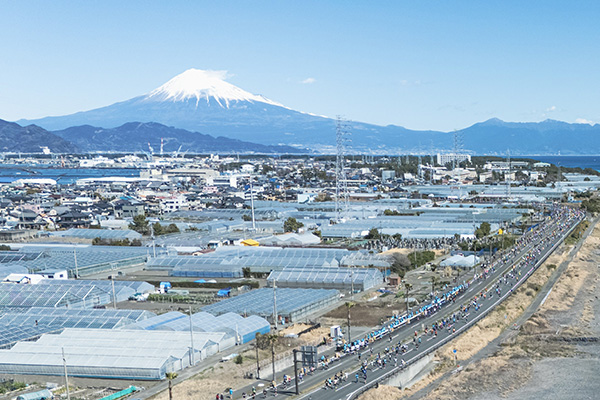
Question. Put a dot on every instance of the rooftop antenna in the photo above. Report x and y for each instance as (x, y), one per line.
(341, 184)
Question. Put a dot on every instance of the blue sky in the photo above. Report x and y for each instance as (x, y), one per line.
(440, 65)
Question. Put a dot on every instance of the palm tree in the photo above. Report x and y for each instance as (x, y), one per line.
(170, 376)
(272, 339)
(408, 287)
(434, 281)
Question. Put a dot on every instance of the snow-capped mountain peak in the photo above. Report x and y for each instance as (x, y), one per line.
(204, 85)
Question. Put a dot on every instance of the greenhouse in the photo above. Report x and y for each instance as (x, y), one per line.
(228, 261)
(343, 279)
(243, 329)
(292, 304)
(82, 260)
(26, 324)
(106, 234)
(118, 354)
(68, 293)
(7, 269)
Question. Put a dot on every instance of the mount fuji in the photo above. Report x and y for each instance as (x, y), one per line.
(200, 102)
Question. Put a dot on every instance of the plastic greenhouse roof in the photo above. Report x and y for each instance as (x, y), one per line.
(260, 301)
(38, 258)
(117, 234)
(326, 275)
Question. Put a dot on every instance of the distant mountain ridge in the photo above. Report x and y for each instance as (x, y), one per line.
(202, 101)
(30, 139)
(137, 136)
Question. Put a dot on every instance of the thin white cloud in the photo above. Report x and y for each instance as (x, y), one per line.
(405, 82)
(308, 81)
(551, 109)
(584, 121)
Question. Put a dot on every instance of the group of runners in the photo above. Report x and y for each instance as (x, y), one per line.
(524, 257)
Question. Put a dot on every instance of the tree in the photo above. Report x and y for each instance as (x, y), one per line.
(291, 225)
(246, 217)
(170, 376)
(400, 264)
(172, 228)
(140, 224)
(272, 339)
(434, 281)
(323, 196)
(157, 229)
(408, 288)
(373, 234)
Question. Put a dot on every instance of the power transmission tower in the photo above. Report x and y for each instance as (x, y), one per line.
(341, 183)
(508, 188)
(458, 146)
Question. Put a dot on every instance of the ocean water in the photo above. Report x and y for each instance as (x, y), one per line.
(10, 173)
(572, 161)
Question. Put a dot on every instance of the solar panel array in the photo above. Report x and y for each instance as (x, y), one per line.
(291, 303)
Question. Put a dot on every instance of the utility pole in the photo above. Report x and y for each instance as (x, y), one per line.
(349, 305)
(192, 358)
(76, 268)
(296, 371)
(112, 281)
(252, 205)
(257, 362)
(66, 376)
(352, 282)
(508, 187)
(275, 303)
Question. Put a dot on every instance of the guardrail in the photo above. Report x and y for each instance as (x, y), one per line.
(462, 329)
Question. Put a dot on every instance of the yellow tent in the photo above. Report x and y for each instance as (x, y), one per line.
(250, 242)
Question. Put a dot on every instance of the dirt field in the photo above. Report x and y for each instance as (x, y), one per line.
(216, 379)
(363, 314)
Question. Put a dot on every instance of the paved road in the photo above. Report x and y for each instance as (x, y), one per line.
(313, 386)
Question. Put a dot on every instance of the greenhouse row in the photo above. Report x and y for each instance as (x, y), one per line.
(82, 260)
(343, 279)
(106, 234)
(227, 262)
(26, 324)
(118, 354)
(242, 329)
(292, 304)
(68, 293)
